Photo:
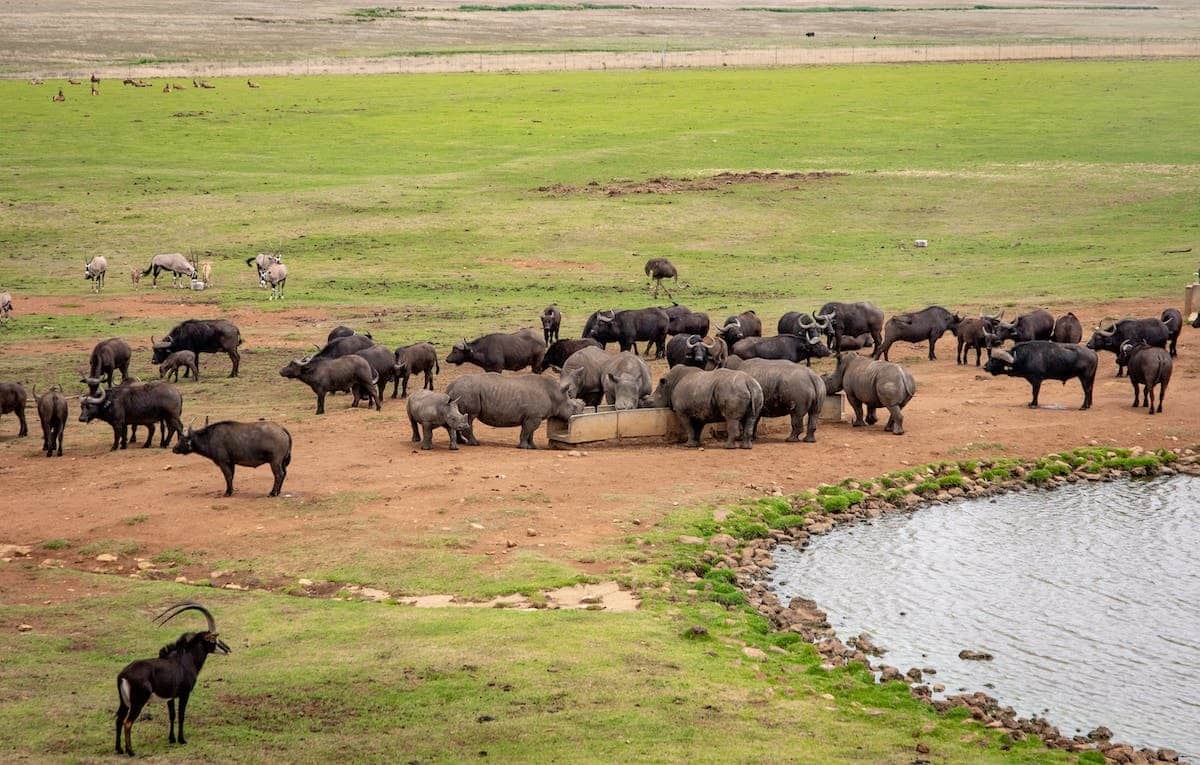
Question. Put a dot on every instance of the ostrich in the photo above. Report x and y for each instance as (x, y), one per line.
(659, 269)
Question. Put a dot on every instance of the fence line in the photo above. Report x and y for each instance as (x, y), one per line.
(662, 59)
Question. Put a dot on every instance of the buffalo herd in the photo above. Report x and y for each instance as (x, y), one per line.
(731, 375)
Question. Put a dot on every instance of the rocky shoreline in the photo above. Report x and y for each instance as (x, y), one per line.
(853, 501)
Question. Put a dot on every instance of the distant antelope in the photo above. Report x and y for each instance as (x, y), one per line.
(176, 86)
(95, 89)
(207, 85)
(95, 79)
(252, 84)
(6, 308)
(180, 267)
(195, 84)
(135, 275)
(73, 81)
(275, 277)
(35, 81)
(94, 271)
(142, 84)
(128, 81)
(60, 97)
(167, 88)
(206, 273)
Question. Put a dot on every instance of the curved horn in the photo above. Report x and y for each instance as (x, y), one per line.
(806, 321)
(180, 608)
(98, 398)
(693, 341)
(1004, 356)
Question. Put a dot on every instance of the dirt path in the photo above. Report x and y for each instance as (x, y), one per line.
(356, 480)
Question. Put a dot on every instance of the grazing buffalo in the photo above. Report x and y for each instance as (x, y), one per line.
(428, 410)
(1040, 360)
(351, 374)
(977, 334)
(1173, 318)
(185, 360)
(499, 351)
(1067, 329)
(344, 331)
(135, 404)
(248, 444)
(582, 375)
(415, 359)
(792, 348)
(873, 384)
(180, 267)
(927, 325)
(551, 321)
(685, 321)
(745, 324)
(95, 270)
(797, 323)
(558, 353)
(347, 345)
(661, 268)
(838, 320)
(693, 351)
(789, 390)
(109, 356)
(1035, 325)
(201, 336)
(1148, 367)
(12, 399)
(722, 395)
(523, 401)
(625, 380)
(52, 412)
(1152, 331)
(626, 328)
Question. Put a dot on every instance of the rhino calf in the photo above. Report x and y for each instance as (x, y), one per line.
(523, 401)
(699, 397)
(873, 384)
(429, 411)
(177, 360)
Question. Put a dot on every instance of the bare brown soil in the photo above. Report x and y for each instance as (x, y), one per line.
(357, 481)
(684, 185)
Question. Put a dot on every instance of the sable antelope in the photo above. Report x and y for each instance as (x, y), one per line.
(171, 676)
(252, 84)
(59, 98)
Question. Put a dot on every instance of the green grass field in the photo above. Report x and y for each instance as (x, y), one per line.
(1035, 183)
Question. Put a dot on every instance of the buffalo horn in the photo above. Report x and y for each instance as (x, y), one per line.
(1004, 356)
(693, 341)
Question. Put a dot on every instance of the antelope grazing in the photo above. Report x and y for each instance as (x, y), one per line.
(58, 99)
(252, 84)
(94, 271)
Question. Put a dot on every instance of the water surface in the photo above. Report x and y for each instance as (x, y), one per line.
(1088, 597)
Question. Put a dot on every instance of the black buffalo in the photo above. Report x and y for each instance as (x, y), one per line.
(1153, 332)
(1173, 318)
(201, 336)
(343, 331)
(693, 351)
(347, 345)
(787, 347)
(499, 351)
(1035, 325)
(977, 334)
(107, 357)
(840, 320)
(685, 321)
(1040, 360)
(1148, 367)
(626, 328)
(135, 404)
(551, 321)
(562, 350)
(1067, 329)
(249, 444)
(745, 324)
(918, 327)
(798, 323)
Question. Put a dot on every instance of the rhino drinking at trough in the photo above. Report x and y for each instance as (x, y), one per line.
(699, 397)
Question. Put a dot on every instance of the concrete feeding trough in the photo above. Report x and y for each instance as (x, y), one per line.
(1191, 301)
(608, 424)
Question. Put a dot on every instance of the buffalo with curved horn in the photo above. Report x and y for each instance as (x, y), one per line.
(171, 676)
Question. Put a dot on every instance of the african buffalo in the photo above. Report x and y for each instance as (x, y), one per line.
(626, 328)
(873, 384)
(797, 323)
(347, 345)
(1035, 325)
(12, 399)
(415, 359)
(135, 404)
(185, 360)
(52, 412)
(352, 374)
(977, 334)
(1153, 331)
(344, 331)
(383, 365)
(792, 348)
(745, 324)
(918, 327)
(428, 411)
(1173, 318)
(692, 351)
(685, 321)
(722, 395)
(558, 353)
(1148, 367)
(1040, 360)
(789, 390)
(500, 351)
(1067, 329)
(838, 320)
(201, 336)
(625, 380)
(551, 321)
(501, 401)
(248, 444)
(109, 356)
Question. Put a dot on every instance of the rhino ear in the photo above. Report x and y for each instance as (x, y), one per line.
(611, 377)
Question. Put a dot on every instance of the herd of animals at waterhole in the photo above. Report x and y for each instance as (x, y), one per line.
(732, 375)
